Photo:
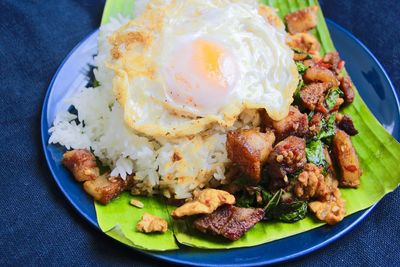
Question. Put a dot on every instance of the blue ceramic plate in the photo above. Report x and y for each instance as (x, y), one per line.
(366, 72)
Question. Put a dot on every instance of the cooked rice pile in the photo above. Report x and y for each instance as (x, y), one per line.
(173, 168)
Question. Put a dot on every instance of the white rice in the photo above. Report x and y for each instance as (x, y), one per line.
(127, 152)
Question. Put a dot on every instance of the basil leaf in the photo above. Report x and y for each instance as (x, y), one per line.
(274, 201)
(327, 128)
(301, 68)
(289, 213)
(332, 96)
(315, 153)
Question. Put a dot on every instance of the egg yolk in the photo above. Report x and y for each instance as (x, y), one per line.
(201, 74)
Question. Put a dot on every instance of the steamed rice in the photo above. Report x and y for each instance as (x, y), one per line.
(126, 152)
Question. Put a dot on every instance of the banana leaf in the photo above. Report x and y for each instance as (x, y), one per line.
(378, 151)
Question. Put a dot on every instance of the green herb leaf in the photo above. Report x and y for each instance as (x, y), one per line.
(274, 201)
(332, 96)
(327, 128)
(315, 153)
(301, 68)
(289, 213)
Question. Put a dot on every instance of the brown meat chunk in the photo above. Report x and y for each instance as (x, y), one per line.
(82, 164)
(347, 159)
(333, 60)
(229, 221)
(305, 42)
(249, 149)
(150, 223)
(287, 157)
(296, 123)
(315, 124)
(205, 202)
(302, 20)
(313, 94)
(104, 188)
(270, 16)
(320, 74)
(331, 210)
(346, 86)
(346, 124)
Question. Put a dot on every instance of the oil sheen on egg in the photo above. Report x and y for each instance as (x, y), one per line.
(183, 66)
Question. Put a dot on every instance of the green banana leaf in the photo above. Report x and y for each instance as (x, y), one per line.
(378, 151)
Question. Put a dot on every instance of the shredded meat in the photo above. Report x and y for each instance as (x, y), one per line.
(82, 164)
(287, 157)
(150, 223)
(347, 159)
(331, 210)
(229, 221)
(306, 43)
(104, 188)
(312, 95)
(302, 20)
(320, 74)
(346, 124)
(249, 149)
(346, 86)
(296, 123)
(205, 202)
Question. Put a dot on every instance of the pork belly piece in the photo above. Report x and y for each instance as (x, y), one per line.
(104, 188)
(333, 61)
(347, 160)
(346, 124)
(320, 74)
(346, 86)
(82, 164)
(150, 224)
(249, 149)
(302, 20)
(205, 202)
(287, 157)
(296, 123)
(306, 43)
(312, 95)
(229, 221)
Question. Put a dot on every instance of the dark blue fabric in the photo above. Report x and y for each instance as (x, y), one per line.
(37, 224)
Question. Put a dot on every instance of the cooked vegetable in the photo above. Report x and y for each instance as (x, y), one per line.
(315, 153)
(332, 97)
(289, 212)
(327, 128)
(301, 68)
(274, 201)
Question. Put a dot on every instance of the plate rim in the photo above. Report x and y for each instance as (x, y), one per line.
(155, 255)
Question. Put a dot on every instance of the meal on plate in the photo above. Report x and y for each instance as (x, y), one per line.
(222, 108)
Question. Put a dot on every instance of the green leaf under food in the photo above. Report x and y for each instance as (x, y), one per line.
(315, 153)
(378, 151)
(118, 219)
(332, 96)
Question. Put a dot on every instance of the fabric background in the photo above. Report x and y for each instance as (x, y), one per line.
(37, 224)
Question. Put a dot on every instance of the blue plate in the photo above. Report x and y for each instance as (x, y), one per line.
(366, 72)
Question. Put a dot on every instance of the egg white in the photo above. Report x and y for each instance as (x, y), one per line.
(265, 73)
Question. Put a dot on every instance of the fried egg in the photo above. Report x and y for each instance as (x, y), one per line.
(183, 66)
